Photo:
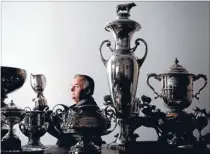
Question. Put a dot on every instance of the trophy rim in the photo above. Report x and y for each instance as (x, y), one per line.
(123, 22)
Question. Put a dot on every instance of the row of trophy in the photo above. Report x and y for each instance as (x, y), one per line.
(122, 107)
(34, 123)
(31, 122)
(123, 68)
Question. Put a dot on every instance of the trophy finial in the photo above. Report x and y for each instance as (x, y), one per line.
(176, 61)
(125, 7)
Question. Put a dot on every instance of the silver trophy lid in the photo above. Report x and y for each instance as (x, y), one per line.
(176, 68)
(11, 107)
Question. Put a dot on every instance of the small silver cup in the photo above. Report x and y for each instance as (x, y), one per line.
(38, 84)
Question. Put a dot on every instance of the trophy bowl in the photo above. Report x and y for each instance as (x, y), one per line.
(11, 79)
(86, 124)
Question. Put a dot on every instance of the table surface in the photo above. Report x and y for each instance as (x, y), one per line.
(141, 149)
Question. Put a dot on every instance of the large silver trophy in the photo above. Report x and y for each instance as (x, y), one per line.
(34, 124)
(85, 123)
(11, 79)
(123, 69)
(177, 86)
(177, 93)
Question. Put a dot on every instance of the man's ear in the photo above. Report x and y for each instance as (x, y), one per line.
(84, 93)
(87, 91)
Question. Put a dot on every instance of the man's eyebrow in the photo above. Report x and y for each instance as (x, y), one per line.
(77, 84)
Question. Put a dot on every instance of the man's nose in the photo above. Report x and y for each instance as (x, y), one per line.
(72, 88)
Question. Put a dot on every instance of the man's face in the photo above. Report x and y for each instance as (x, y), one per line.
(76, 88)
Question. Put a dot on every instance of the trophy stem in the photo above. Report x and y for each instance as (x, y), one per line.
(10, 132)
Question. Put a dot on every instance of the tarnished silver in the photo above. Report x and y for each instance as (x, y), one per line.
(83, 124)
(34, 126)
(123, 67)
(38, 84)
(12, 78)
(12, 115)
(177, 86)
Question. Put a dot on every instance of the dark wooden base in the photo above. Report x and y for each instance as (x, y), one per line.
(138, 148)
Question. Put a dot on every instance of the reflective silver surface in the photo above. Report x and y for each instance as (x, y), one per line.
(123, 66)
(38, 84)
(34, 126)
(123, 69)
(84, 122)
(12, 79)
(177, 86)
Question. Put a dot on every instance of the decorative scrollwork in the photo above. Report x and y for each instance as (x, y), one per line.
(110, 114)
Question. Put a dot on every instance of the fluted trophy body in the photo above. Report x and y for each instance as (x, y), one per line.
(123, 73)
(123, 67)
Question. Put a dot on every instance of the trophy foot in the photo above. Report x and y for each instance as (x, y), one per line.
(11, 140)
(34, 143)
(85, 148)
(117, 145)
(200, 143)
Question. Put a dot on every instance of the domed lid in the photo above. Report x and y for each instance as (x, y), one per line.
(11, 107)
(177, 69)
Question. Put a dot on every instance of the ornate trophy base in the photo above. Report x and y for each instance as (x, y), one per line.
(23, 151)
(116, 146)
(34, 143)
(10, 141)
(84, 147)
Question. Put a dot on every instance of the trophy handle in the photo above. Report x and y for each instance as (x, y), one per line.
(56, 114)
(31, 78)
(22, 127)
(196, 77)
(157, 77)
(140, 61)
(60, 110)
(108, 45)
